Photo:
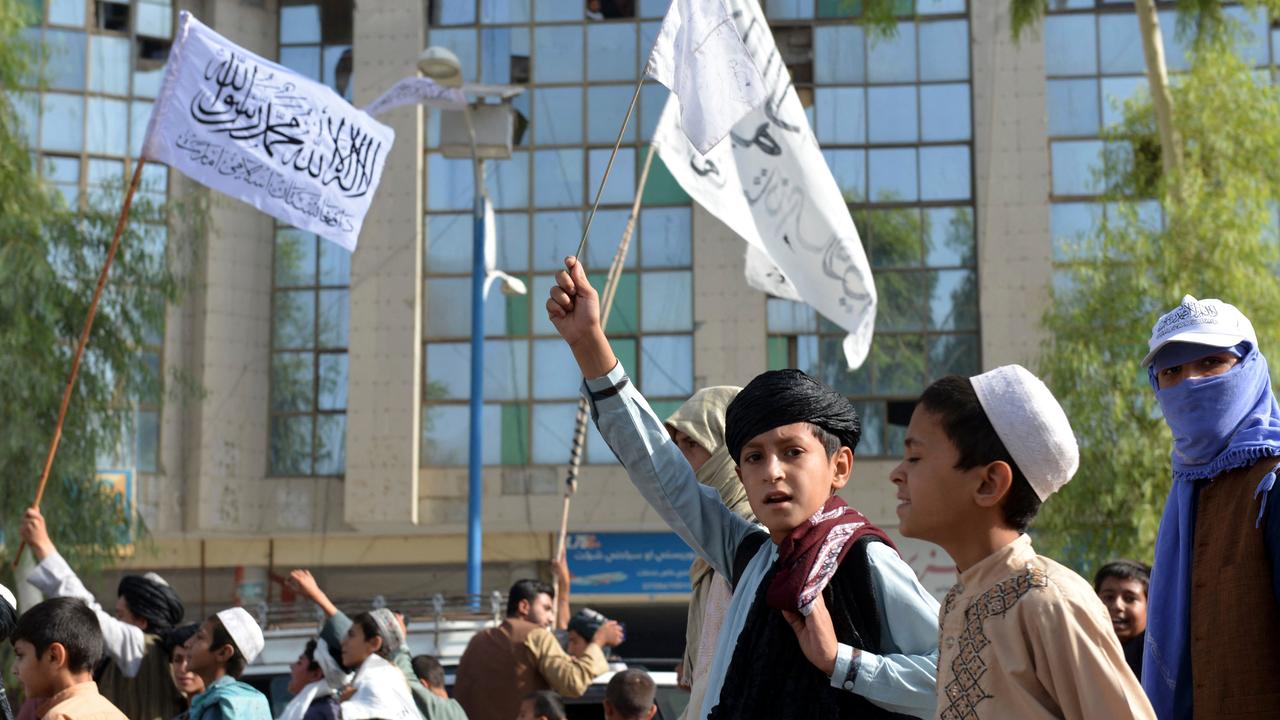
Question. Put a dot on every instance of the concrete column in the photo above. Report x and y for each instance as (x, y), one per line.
(1011, 167)
(385, 355)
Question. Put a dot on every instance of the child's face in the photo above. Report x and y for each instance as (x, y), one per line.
(38, 674)
(201, 659)
(187, 682)
(301, 674)
(1126, 602)
(932, 493)
(356, 648)
(526, 711)
(788, 476)
(577, 644)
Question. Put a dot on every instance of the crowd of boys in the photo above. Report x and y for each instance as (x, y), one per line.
(823, 617)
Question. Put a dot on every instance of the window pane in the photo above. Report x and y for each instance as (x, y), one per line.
(553, 371)
(557, 51)
(954, 303)
(146, 83)
(788, 9)
(555, 235)
(331, 444)
(109, 64)
(450, 183)
(335, 264)
(823, 358)
(299, 24)
(891, 114)
(558, 116)
(666, 365)
(504, 55)
(901, 305)
(893, 59)
(871, 443)
(148, 441)
(1115, 92)
(788, 316)
(291, 445)
(944, 50)
(154, 19)
(62, 122)
(332, 381)
(945, 173)
(304, 60)
(939, 7)
(949, 236)
(61, 170)
(448, 307)
(1074, 227)
(667, 301)
(606, 107)
(64, 67)
(444, 439)
(944, 112)
(453, 12)
(448, 367)
(551, 10)
(139, 116)
(557, 178)
(624, 318)
(449, 238)
(462, 43)
(838, 54)
(1121, 43)
(849, 168)
(553, 431)
(295, 258)
(840, 115)
(108, 126)
(653, 97)
(1070, 45)
(506, 369)
(503, 11)
(27, 107)
(67, 12)
(899, 365)
(621, 187)
(291, 378)
(1073, 106)
(665, 237)
(606, 233)
(334, 319)
(953, 355)
(1073, 166)
(335, 68)
(508, 181)
(893, 174)
(294, 320)
(611, 52)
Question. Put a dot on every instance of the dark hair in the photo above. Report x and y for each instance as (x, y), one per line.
(219, 637)
(370, 628)
(547, 704)
(426, 667)
(309, 652)
(68, 622)
(829, 441)
(173, 637)
(526, 590)
(631, 693)
(1124, 570)
(969, 429)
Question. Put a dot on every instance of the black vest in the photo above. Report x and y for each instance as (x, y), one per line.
(769, 677)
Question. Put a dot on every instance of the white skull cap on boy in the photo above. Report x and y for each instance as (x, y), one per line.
(1202, 322)
(1031, 424)
(244, 631)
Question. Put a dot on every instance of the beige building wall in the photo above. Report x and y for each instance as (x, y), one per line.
(213, 505)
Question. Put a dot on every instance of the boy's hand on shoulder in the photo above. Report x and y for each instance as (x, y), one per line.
(36, 534)
(817, 635)
(574, 310)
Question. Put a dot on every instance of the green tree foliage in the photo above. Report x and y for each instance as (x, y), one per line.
(1220, 241)
(50, 256)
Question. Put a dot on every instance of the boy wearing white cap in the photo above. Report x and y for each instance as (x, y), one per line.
(1022, 636)
(219, 652)
(1213, 627)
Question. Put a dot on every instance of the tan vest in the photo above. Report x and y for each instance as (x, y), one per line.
(1235, 619)
(496, 671)
(151, 695)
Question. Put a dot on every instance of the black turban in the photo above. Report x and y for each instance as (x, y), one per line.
(783, 397)
(150, 597)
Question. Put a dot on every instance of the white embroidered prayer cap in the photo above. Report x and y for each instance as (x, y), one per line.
(1031, 424)
(244, 631)
(8, 597)
(1202, 322)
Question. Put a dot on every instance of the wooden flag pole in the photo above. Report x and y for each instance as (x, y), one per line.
(84, 340)
(606, 300)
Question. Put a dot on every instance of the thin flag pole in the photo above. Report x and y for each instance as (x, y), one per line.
(84, 340)
(606, 298)
(622, 132)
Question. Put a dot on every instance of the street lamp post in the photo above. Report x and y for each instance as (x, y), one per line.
(443, 66)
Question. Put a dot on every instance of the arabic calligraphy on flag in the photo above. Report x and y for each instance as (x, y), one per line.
(263, 134)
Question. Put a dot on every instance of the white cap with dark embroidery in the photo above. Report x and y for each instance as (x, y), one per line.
(244, 631)
(1200, 322)
(1031, 424)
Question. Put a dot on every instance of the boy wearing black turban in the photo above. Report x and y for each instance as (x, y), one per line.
(826, 621)
(136, 676)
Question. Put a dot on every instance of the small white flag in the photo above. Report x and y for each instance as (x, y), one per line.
(771, 185)
(263, 134)
(418, 91)
(701, 58)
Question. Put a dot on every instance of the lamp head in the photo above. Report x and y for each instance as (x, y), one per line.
(441, 65)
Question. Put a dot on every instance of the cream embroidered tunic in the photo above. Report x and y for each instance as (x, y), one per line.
(1024, 637)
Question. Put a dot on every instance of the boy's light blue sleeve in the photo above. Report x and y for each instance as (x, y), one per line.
(661, 473)
(904, 681)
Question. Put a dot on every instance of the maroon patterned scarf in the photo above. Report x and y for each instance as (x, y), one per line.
(809, 556)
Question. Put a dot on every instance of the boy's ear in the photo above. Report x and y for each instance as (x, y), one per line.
(57, 655)
(841, 468)
(995, 479)
(224, 654)
(377, 643)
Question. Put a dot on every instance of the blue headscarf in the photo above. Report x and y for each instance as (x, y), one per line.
(1219, 423)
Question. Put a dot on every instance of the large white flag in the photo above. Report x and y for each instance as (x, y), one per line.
(261, 133)
(701, 58)
(771, 185)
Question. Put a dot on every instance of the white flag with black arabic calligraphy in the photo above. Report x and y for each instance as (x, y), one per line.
(261, 133)
(771, 185)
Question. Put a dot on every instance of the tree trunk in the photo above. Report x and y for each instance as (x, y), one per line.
(1161, 98)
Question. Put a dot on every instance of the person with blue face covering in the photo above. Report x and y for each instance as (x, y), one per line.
(1213, 626)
